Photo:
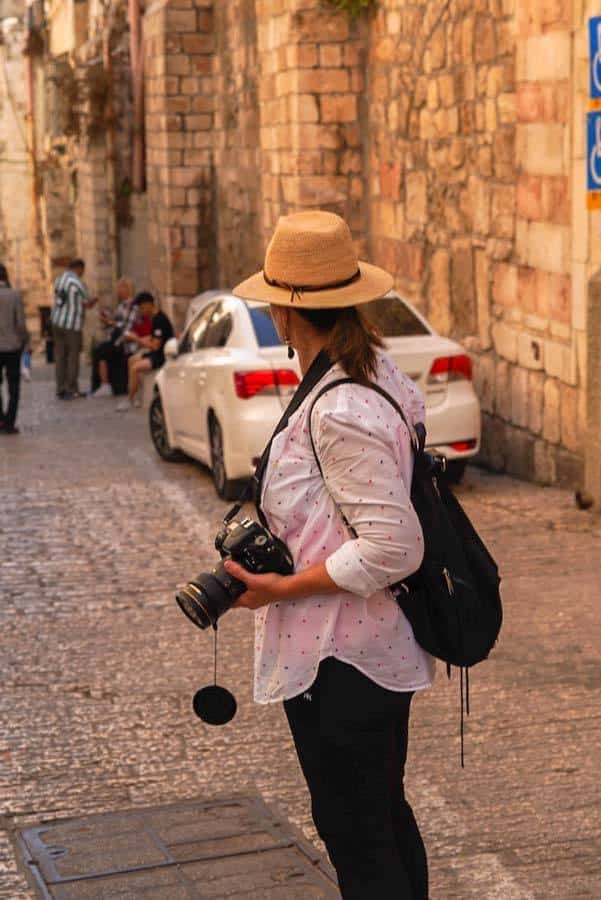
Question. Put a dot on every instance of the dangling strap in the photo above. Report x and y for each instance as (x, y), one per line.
(464, 697)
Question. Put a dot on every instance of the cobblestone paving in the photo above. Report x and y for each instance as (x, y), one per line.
(98, 665)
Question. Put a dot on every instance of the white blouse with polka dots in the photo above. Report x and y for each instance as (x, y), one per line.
(365, 453)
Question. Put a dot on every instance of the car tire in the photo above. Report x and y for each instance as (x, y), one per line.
(455, 470)
(158, 432)
(227, 488)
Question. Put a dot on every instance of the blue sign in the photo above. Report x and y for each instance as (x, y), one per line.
(593, 158)
(594, 31)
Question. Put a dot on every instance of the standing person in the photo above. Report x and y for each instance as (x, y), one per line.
(13, 338)
(70, 303)
(153, 355)
(112, 353)
(331, 641)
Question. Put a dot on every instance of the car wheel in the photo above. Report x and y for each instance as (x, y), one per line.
(455, 470)
(227, 488)
(158, 432)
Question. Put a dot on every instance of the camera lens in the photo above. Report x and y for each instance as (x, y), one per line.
(193, 603)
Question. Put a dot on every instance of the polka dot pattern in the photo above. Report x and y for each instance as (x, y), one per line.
(364, 449)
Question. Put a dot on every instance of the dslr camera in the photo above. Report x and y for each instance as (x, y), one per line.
(211, 594)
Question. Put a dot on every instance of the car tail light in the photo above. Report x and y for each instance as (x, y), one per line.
(462, 446)
(450, 368)
(248, 384)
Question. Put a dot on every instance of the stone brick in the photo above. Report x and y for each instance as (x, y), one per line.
(330, 56)
(503, 207)
(571, 436)
(482, 270)
(484, 39)
(504, 284)
(503, 390)
(439, 299)
(555, 200)
(181, 19)
(541, 148)
(505, 341)
(549, 247)
(416, 193)
(536, 393)
(560, 298)
(463, 294)
(519, 396)
(551, 415)
(338, 107)
(484, 381)
(320, 25)
(390, 180)
(178, 65)
(529, 202)
(323, 81)
(548, 56)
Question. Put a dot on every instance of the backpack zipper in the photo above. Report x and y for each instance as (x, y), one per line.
(449, 581)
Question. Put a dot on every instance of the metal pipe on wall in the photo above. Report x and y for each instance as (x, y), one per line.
(137, 72)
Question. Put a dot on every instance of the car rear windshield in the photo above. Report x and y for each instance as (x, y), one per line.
(393, 318)
(265, 331)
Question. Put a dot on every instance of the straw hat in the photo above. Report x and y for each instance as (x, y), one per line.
(311, 262)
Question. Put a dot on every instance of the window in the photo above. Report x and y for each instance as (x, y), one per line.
(263, 325)
(199, 327)
(219, 328)
(196, 330)
(393, 318)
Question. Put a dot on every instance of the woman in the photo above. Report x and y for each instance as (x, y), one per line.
(331, 642)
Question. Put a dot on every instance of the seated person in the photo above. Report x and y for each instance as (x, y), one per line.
(109, 359)
(152, 354)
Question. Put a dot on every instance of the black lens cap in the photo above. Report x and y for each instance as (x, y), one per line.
(214, 705)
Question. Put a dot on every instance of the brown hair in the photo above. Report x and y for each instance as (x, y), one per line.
(352, 340)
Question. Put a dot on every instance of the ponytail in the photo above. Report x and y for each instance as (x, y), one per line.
(351, 341)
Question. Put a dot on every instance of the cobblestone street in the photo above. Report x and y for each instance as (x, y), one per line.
(99, 666)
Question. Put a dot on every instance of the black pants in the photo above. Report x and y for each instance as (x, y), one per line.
(351, 740)
(115, 358)
(10, 365)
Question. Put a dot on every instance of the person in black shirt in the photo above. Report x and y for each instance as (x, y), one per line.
(152, 355)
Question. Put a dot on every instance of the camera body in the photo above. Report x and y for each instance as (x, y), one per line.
(208, 596)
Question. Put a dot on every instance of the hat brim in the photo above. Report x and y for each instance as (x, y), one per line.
(373, 283)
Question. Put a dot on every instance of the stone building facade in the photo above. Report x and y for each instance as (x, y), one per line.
(449, 133)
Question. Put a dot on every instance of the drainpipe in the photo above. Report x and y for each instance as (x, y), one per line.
(109, 119)
(137, 74)
(28, 54)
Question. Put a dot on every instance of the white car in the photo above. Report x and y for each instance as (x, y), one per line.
(225, 384)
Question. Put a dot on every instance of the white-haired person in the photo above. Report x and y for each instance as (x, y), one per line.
(110, 356)
(331, 641)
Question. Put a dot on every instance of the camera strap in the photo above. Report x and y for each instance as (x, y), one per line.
(316, 371)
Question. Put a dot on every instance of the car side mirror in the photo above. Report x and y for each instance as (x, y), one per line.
(171, 348)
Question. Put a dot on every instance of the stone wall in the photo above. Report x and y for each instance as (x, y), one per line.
(20, 248)
(237, 150)
(470, 170)
(178, 41)
(310, 91)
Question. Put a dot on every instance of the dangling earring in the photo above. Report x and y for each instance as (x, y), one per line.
(290, 348)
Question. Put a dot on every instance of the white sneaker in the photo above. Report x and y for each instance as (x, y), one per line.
(123, 406)
(103, 391)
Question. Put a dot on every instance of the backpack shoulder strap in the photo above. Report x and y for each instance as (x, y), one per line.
(417, 440)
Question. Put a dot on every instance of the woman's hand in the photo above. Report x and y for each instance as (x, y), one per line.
(260, 589)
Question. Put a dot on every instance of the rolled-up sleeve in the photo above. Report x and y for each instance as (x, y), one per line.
(362, 466)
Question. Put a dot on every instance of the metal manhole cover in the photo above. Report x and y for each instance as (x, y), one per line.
(186, 851)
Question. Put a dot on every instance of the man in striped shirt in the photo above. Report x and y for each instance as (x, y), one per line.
(68, 312)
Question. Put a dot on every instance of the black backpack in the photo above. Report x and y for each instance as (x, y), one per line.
(452, 602)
